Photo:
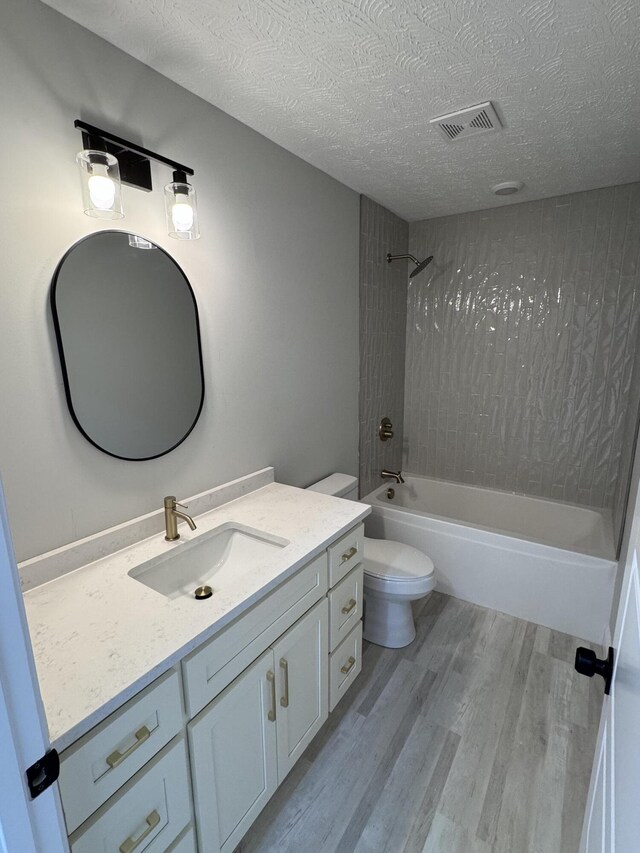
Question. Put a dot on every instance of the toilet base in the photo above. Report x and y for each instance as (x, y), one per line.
(388, 623)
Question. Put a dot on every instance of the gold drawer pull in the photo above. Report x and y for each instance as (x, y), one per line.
(348, 665)
(130, 844)
(284, 666)
(349, 607)
(349, 554)
(118, 757)
(271, 716)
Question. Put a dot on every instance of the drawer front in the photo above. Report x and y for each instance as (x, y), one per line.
(345, 606)
(209, 669)
(148, 814)
(185, 843)
(345, 554)
(344, 665)
(110, 754)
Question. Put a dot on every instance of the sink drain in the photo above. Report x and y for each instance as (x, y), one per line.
(203, 592)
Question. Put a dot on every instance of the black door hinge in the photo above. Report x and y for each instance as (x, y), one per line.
(43, 773)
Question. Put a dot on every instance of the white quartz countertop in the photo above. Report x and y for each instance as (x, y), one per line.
(100, 636)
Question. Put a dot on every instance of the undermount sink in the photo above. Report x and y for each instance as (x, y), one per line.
(217, 559)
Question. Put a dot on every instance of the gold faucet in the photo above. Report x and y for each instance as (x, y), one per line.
(392, 475)
(171, 516)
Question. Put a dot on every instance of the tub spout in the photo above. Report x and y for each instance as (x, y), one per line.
(392, 475)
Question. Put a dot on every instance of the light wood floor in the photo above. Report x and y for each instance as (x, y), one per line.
(477, 738)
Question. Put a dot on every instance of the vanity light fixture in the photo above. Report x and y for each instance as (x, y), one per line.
(180, 205)
(108, 159)
(100, 178)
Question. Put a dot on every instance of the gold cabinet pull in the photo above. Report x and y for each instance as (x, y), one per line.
(349, 607)
(348, 665)
(271, 716)
(349, 554)
(130, 844)
(284, 666)
(118, 757)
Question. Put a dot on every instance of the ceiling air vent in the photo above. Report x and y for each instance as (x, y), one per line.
(479, 119)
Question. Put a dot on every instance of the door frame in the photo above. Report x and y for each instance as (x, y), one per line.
(26, 825)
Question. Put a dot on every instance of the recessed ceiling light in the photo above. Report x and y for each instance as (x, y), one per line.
(507, 188)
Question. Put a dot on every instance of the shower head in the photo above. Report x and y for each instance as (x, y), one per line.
(420, 265)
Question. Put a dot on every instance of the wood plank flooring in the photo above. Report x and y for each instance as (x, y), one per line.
(477, 738)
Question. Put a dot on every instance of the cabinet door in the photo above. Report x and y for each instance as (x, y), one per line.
(234, 757)
(301, 661)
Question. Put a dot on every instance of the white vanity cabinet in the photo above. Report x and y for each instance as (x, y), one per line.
(245, 742)
(189, 762)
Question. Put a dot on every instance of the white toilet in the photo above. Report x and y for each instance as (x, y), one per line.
(394, 576)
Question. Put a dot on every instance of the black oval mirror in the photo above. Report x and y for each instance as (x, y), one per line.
(126, 323)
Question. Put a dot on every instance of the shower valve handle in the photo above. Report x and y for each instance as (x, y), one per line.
(385, 430)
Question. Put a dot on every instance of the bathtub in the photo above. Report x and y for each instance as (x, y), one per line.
(542, 560)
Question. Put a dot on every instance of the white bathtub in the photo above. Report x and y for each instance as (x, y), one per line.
(545, 561)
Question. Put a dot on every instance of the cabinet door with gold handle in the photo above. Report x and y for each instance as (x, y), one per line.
(284, 699)
(118, 757)
(131, 844)
(234, 756)
(303, 662)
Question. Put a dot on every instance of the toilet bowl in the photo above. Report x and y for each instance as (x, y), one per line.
(395, 575)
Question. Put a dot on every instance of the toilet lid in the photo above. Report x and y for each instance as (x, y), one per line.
(395, 561)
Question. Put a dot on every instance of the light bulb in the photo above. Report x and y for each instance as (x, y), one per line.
(102, 190)
(182, 216)
(181, 209)
(100, 179)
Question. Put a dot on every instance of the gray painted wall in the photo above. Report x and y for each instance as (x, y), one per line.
(383, 313)
(275, 275)
(520, 346)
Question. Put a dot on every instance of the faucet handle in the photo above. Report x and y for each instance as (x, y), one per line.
(170, 502)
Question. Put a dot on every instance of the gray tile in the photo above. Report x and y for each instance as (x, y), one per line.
(383, 311)
(528, 312)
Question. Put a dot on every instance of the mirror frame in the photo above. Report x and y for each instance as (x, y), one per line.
(63, 363)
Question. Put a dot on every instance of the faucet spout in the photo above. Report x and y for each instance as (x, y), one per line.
(185, 517)
(392, 475)
(171, 516)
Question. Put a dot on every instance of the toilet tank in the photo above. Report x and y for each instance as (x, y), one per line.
(338, 485)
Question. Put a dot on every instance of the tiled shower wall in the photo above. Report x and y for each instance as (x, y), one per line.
(520, 346)
(383, 312)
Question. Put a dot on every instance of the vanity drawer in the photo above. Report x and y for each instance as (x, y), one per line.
(209, 669)
(106, 757)
(148, 814)
(186, 843)
(344, 665)
(345, 554)
(345, 606)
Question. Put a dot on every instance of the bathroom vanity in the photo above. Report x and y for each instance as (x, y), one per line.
(176, 719)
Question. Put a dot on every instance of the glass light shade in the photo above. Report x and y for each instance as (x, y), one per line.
(100, 179)
(182, 212)
(137, 242)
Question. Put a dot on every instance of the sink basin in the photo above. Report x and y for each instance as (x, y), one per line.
(218, 558)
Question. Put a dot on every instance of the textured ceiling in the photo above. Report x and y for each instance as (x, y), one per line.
(351, 86)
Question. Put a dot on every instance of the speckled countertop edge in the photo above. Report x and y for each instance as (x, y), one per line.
(100, 636)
